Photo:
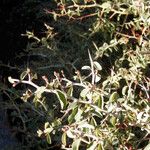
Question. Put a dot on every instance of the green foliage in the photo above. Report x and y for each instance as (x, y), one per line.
(106, 103)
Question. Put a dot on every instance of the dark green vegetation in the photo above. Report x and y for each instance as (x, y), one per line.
(84, 79)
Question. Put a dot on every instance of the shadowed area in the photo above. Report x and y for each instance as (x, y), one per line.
(7, 140)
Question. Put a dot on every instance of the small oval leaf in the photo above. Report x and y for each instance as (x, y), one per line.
(48, 138)
(97, 65)
(124, 90)
(64, 139)
(86, 68)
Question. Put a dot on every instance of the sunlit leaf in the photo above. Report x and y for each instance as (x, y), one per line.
(76, 144)
(92, 146)
(39, 91)
(96, 111)
(124, 90)
(48, 130)
(86, 125)
(62, 99)
(100, 147)
(105, 83)
(72, 105)
(115, 142)
(64, 139)
(86, 68)
(56, 123)
(48, 138)
(78, 116)
(97, 65)
(97, 78)
(147, 147)
(70, 91)
(70, 134)
(114, 96)
(113, 120)
(106, 5)
(34, 76)
(11, 80)
(46, 125)
(23, 75)
(39, 132)
(111, 107)
(100, 102)
(55, 16)
(93, 122)
(84, 92)
(72, 115)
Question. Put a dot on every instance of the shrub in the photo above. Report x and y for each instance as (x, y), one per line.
(106, 103)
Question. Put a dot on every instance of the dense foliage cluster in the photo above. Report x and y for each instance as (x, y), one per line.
(94, 92)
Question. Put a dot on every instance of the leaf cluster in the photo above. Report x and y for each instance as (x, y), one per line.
(105, 102)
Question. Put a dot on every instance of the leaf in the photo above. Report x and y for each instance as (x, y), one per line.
(70, 134)
(62, 99)
(115, 142)
(92, 146)
(48, 130)
(39, 132)
(70, 91)
(124, 90)
(39, 91)
(111, 107)
(46, 125)
(86, 125)
(147, 147)
(97, 110)
(72, 105)
(55, 16)
(100, 147)
(56, 123)
(114, 96)
(105, 83)
(101, 102)
(86, 68)
(71, 117)
(48, 138)
(84, 92)
(124, 40)
(97, 65)
(11, 80)
(23, 75)
(97, 78)
(78, 116)
(93, 122)
(76, 144)
(106, 5)
(63, 139)
(139, 117)
(34, 76)
(113, 120)
(96, 113)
